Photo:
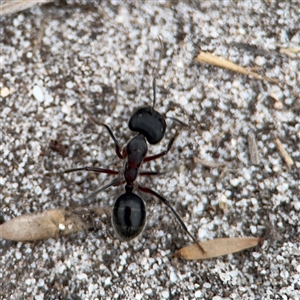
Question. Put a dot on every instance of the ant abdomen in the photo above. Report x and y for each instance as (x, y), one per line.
(128, 216)
(149, 123)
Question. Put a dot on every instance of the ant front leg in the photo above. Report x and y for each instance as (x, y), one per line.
(117, 146)
(163, 153)
(167, 203)
(151, 173)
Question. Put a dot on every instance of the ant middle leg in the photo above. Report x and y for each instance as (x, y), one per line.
(167, 203)
(89, 169)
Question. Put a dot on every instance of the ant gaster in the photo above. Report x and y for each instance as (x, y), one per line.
(129, 212)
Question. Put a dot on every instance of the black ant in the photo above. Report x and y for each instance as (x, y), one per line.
(129, 212)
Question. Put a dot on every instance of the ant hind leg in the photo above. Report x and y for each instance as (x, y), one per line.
(167, 203)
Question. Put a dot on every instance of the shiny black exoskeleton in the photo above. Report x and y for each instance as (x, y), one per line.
(149, 123)
(129, 212)
(128, 216)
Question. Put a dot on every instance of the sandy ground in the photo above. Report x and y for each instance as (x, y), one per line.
(60, 60)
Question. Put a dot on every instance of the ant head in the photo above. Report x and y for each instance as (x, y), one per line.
(128, 216)
(148, 122)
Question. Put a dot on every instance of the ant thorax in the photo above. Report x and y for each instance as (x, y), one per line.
(136, 150)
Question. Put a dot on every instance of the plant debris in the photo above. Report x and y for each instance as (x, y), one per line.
(253, 151)
(285, 156)
(49, 224)
(205, 57)
(217, 247)
(57, 222)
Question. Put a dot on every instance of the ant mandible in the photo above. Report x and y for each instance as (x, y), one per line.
(129, 212)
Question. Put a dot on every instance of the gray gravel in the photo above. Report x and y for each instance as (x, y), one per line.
(62, 59)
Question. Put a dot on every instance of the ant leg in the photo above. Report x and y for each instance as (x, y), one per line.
(149, 173)
(167, 203)
(148, 158)
(115, 182)
(178, 121)
(91, 169)
(117, 146)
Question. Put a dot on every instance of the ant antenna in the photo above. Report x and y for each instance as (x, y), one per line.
(156, 71)
(154, 91)
(160, 56)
